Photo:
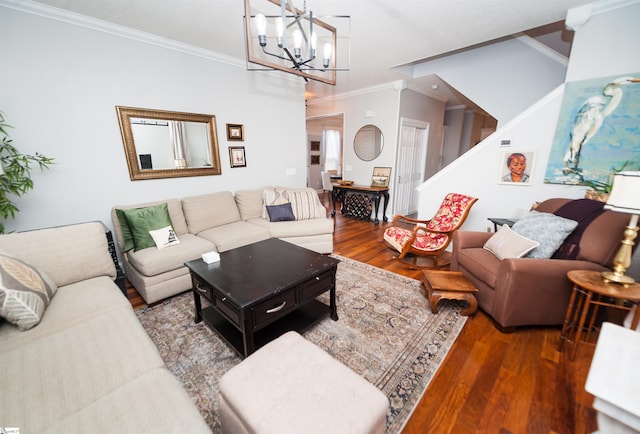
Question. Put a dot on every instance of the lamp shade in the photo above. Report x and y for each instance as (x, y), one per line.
(625, 194)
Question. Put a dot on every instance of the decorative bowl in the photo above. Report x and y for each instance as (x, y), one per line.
(345, 182)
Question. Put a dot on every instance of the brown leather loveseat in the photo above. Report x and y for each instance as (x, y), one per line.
(526, 291)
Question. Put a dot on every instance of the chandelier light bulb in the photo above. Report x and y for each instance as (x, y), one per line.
(326, 59)
(314, 42)
(261, 24)
(297, 44)
(280, 31)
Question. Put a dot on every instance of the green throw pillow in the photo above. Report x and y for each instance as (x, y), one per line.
(143, 220)
(127, 236)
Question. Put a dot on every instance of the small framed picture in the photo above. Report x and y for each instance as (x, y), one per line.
(516, 167)
(235, 132)
(315, 160)
(381, 177)
(315, 145)
(237, 157)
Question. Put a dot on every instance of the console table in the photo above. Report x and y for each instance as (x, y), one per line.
(340, 191)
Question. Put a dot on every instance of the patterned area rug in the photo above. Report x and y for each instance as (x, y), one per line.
(386, 333)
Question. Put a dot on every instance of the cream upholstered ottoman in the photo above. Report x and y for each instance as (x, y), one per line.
(292, 386)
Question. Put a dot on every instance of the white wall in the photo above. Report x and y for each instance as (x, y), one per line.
(59, 85)
(504, 78)
(379, 107)
(476, 172)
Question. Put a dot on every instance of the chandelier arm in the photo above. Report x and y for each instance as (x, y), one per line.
(276, 55)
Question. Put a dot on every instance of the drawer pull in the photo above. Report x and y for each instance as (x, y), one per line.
(317, 277)
(200, 288)
(277, 308)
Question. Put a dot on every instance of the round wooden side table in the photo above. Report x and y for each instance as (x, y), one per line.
(590, 291)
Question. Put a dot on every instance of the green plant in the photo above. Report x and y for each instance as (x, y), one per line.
(605, 186)
(15, 173)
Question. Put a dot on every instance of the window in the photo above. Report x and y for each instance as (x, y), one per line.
(332, 149)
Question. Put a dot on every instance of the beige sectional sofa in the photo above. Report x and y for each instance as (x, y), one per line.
(219, 221)
(87, 365)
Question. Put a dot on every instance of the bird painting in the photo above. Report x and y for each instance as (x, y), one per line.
(590, 118)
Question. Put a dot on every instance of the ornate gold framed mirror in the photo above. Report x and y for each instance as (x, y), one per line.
(168, 144)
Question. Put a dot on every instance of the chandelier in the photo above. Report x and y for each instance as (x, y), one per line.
(280, 36)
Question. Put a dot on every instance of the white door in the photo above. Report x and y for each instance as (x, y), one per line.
(412, 153)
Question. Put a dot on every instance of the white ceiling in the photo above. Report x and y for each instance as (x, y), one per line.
(384, 33)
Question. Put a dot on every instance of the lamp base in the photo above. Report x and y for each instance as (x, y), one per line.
(612, 276)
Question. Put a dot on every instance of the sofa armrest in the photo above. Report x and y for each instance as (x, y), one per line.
(466, 240)
(470, 239)
(534, 291)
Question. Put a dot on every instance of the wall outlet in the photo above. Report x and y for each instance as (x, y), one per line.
(291, 172)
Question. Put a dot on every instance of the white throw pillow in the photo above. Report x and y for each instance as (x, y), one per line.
(164, 237)
(508, 244)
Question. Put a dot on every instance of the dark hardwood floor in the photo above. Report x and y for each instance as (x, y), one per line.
(490, 382)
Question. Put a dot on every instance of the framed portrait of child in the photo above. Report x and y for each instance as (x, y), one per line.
(516, 167)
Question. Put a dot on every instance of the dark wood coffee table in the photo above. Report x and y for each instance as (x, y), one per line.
(257, 292)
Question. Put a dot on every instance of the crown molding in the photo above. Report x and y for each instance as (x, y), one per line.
(395, 85)
(579, 16)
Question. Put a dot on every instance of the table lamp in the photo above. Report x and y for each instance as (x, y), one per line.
(625, 198)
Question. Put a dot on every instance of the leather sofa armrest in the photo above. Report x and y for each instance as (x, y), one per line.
(470, 239)
(534, 291)
(466, 240)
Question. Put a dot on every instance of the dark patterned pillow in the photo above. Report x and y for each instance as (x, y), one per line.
(25, 292)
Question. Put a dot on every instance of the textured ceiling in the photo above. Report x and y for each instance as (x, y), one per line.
(384, 33)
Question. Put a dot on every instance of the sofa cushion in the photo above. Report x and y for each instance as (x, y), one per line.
(280, 213)
(249, 203)
(154, 402)
(143, 220)
(47, 381)
(298, 228)
(235, 234)
(72, 305)
(306, 204)
(547, 229)
(509, 244)
(208, 211)
(67, 254)
(152, 261)
(25, 292)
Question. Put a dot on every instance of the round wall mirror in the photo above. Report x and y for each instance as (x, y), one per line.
(368, 142)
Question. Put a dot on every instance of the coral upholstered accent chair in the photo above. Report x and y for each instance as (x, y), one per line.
(429, 238)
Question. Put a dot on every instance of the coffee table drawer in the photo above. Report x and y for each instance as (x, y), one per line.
(316, 286)
(229, 311)
(202, 288)
(273, 308)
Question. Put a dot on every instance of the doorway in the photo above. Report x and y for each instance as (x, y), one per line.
(328, 130)
(410, 165)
